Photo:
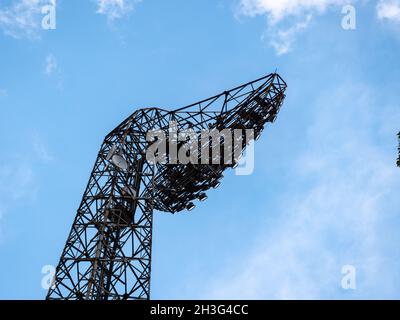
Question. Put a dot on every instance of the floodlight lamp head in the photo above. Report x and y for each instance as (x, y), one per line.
(203, 196)
(119, 162)
(216, 184)
(190, 206)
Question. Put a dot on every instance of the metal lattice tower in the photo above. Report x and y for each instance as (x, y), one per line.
(108, 251)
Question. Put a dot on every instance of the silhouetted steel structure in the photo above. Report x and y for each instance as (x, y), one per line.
(398, 149)
(108, 251)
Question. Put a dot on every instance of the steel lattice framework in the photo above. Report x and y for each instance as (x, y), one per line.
(398, 149)
(108, 251)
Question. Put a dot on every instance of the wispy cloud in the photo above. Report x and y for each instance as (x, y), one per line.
(300, 13)
(343, 213)
(282, 40)
(18, 178)
(3, 93)
(115, 9)
(388, 10)
(278, 10)
(22, 18)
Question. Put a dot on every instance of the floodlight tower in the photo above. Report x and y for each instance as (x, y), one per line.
(108, 251)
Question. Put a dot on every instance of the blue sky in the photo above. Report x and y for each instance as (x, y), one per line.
(325, 189)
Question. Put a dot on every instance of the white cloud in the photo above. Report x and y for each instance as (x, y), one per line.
(51, 64)
(300, 11)
(3, 93)
(22, 18)
(343, 213)
(282, 40)
(388, 9)
(114, 9)
(278, 10)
